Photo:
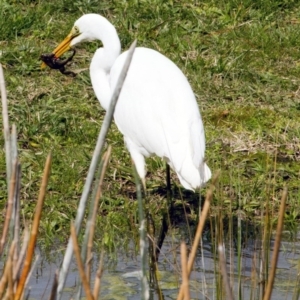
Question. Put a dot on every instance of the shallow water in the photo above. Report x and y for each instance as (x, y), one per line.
(120, 279)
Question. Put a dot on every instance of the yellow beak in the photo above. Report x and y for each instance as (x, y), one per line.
(63, 47)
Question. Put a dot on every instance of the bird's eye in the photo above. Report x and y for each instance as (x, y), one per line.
(75, 30)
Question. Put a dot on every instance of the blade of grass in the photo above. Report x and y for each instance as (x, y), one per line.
(270, 283)
(100, 143)
(34, 230)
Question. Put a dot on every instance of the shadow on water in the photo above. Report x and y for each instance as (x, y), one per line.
(120, 279)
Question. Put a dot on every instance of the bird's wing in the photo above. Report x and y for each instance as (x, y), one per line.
(157, 110)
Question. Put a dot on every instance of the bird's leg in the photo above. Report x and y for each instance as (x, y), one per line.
(166, 220)
(151, 245)
(153, 270)
(162, 234)
(152, 252)
(169, 191)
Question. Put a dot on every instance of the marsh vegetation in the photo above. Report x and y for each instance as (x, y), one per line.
(242, 60)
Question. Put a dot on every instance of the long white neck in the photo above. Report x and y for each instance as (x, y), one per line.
(104, 59)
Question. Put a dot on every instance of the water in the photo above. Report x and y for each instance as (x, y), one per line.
(120, 279)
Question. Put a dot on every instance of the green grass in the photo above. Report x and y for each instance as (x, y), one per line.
(242, 60)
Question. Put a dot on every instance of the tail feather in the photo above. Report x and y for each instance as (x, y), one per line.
(191, 177)
(206, 173)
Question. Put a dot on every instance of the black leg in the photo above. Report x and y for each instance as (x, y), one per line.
(152, 258)
(168, 177)
(166, 216)
(152, 252)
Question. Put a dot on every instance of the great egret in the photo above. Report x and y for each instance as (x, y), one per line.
(157, 112)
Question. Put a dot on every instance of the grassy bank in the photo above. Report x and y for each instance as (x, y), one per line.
(242, 59)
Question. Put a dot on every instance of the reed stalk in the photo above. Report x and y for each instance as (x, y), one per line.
(9, 210)
(10, 290)
(86, 251)
(185, 276)
(6, 278)
(95, 210)
(22, 254)
(271, 278)
(6, 128)
(239, 251)
(99, 272)
(80, 265)
(15, 219)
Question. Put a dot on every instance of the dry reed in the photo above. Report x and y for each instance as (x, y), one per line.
(271, 278)
(80, 264)
(34, 230)
(185, 276)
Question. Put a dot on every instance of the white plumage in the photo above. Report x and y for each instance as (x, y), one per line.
(157, 112)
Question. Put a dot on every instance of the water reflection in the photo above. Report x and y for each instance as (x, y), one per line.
(121, 278)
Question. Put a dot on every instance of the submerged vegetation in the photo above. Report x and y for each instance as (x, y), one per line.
(242, 60)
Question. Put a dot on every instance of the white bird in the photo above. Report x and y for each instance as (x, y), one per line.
(157, 112)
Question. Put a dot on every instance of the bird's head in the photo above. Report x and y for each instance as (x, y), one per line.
(83, 30)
